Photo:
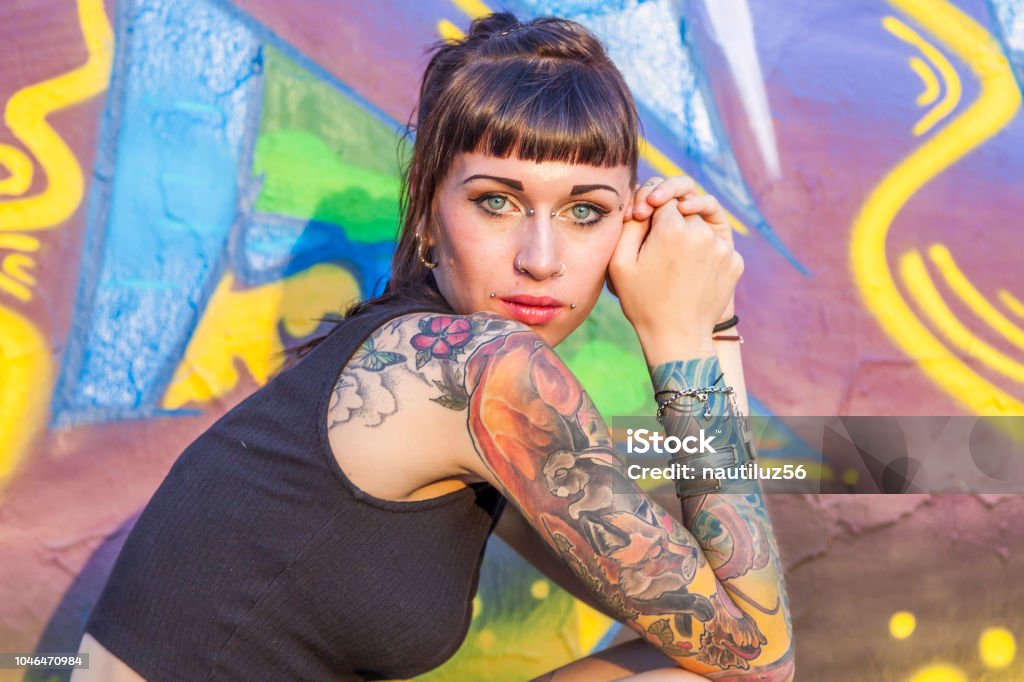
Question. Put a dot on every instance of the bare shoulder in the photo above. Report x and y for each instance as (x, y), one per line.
(396, 417)
(418, 349)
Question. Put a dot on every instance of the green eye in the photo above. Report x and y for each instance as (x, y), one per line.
(581, 212)
(496, 203)
(586, 215)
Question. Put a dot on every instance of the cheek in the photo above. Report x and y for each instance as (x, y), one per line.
(472, 251)
(591, 256)
(610, 242)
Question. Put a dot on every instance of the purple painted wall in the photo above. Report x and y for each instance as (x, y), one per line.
(185, 186)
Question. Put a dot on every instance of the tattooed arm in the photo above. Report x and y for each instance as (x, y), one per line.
(538, 437)
(732, 526)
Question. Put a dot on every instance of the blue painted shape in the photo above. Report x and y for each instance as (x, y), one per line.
(1009, 20)
(273, 247)
(162, 206)
(648, 40)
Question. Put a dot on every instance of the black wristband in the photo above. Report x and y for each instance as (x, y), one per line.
(728, 324)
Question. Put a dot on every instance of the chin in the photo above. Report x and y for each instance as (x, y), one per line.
(553, 337)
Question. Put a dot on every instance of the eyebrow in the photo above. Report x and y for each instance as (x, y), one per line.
(515, 184)
(583, 189)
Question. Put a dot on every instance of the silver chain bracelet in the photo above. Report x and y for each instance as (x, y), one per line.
(700, 394)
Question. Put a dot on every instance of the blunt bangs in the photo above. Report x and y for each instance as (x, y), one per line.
(544, 109)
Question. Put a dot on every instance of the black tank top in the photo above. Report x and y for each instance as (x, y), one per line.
(257, 558)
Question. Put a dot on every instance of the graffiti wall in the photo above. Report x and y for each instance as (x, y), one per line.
(186, 186)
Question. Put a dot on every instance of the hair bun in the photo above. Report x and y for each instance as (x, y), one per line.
(486, 26)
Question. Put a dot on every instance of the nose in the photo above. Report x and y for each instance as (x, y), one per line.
(538, 253)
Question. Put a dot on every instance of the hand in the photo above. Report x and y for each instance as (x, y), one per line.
(674, 274)
(656, 192)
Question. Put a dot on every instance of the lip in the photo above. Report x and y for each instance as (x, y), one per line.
(532, 309)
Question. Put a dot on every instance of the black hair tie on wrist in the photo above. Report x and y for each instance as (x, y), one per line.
(728, 324)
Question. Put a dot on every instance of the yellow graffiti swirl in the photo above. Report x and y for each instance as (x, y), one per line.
(26, 371)
(997, 103)
(25, 116)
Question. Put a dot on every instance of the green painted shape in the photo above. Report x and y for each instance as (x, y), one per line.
(303, 178)
(295, 99)
(323, 157)
(605, 355)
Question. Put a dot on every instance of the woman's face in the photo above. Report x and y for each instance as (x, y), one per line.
(497, 236)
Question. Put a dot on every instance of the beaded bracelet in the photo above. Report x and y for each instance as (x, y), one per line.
(700, 394)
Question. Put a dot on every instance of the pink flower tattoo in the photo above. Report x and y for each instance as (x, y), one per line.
(441, 337)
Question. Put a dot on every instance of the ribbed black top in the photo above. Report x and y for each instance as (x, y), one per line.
(257, 558)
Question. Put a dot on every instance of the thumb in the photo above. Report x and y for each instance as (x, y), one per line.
(632, 238)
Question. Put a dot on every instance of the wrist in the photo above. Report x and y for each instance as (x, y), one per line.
(661, 348)
(729, 311)
(726, 324)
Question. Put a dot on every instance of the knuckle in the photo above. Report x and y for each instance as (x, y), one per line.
(706, 239)
(665, 216)
(738, 263)
(722, 249)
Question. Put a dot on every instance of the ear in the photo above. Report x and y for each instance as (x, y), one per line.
(421, 231)
(599, 456)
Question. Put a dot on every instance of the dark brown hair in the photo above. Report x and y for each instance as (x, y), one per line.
(544, 90)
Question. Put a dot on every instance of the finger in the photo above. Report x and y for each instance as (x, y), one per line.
(641, 209)
(632, 238)
(722, 231)
(676, 187)
(666, 219)
(711, 211)
(704, 205)
(697, 224)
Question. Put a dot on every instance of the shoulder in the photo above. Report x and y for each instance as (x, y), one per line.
(447, 336)
(525, 411)
(432, 339)
(480, 348)
(430, 375)
(423, 358)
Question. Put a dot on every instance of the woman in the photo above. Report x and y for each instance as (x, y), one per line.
(331, 526)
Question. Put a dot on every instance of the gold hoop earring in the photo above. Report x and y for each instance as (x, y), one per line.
(419, 254)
